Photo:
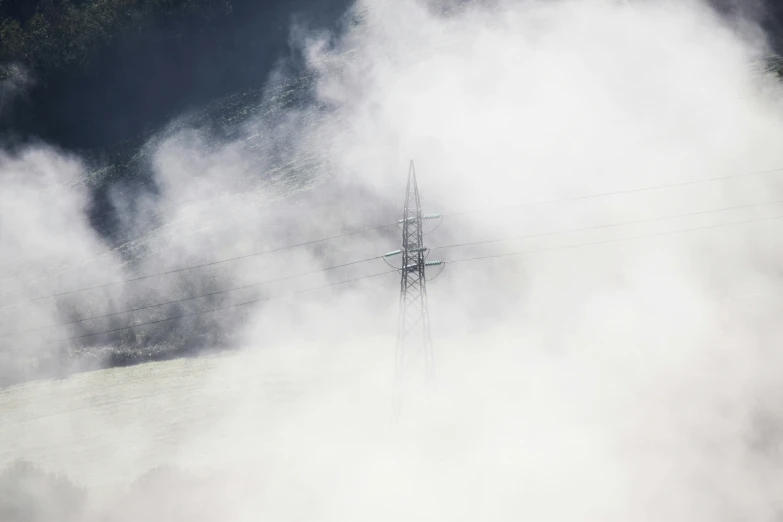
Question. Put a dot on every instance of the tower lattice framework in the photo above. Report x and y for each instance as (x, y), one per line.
(413, 334)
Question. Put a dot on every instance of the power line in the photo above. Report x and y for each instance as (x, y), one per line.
(146, 234)
(193, 267)
(175, 301)
(528, 236)
(211, 310)
(477, 258)
(617, 240)
(213, 201)
(475, 243)
(612, 225)
(617, 192)
(288, 247)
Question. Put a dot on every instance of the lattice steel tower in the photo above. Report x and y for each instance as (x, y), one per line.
(413, 334)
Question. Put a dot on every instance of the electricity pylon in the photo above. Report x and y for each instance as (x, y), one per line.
(413, 331)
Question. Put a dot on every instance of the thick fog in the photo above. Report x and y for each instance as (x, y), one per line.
(622, 364)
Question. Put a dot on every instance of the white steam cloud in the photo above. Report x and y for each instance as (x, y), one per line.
(633, 378)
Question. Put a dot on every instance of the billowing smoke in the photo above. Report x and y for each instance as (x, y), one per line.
(622, 364)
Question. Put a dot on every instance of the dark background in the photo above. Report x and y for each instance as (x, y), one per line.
(144, 62)
(101, 77)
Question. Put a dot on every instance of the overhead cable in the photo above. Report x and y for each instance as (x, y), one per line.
(220, 308)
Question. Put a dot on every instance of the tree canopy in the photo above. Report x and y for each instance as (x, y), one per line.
(47, 35)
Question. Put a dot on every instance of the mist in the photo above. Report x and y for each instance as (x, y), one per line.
(621, 364)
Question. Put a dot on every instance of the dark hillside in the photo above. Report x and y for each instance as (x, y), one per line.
(104, 71)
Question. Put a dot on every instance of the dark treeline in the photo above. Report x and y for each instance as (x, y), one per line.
(51, 35)
(103, 71)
